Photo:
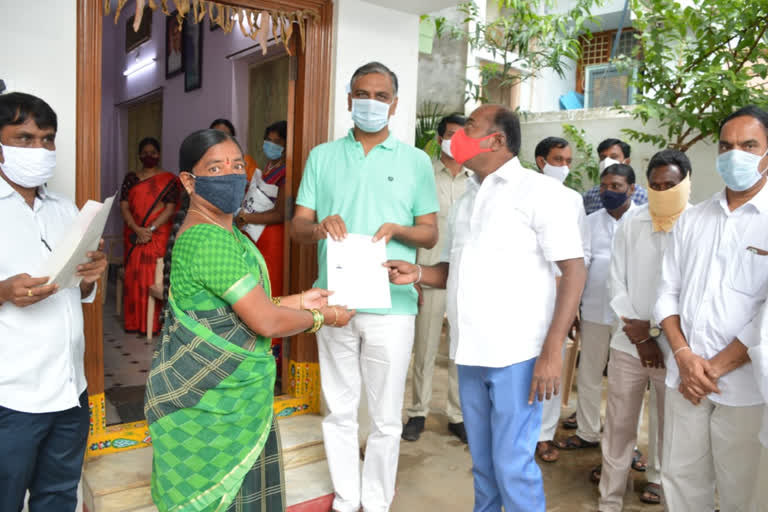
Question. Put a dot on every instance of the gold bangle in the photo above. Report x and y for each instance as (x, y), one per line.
(317, 321)
(276, 301)
(335, 317)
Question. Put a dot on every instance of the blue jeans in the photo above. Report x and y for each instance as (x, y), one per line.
(42, 453)
(502, 430)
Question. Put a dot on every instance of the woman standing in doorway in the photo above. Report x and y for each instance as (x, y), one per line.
(209, 395)
(148, 200)
(263, 212)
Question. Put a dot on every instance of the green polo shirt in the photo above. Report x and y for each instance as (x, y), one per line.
(393, 183)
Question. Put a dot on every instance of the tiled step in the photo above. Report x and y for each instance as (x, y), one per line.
(120, 482)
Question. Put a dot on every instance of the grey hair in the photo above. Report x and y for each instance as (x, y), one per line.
(370, 68)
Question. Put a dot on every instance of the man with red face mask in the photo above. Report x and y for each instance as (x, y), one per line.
(508, 321)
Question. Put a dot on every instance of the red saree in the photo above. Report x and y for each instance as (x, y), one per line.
(141, 259)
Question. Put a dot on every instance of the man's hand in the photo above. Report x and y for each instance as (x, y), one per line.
(22, 290)
(693, 375)
(546, 376)
(402, 272)
(332, 225)
(650, 354)
(316, 298)
(387, 231)
(636, 330)
(420, 294)
(93, 270)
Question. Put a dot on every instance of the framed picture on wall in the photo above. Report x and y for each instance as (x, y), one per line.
(135, 38)
(192, 42)
(174, 50)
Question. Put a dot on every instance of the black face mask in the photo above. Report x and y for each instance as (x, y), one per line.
(224, 192)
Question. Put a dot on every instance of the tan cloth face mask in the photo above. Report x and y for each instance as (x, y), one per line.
(667, 205)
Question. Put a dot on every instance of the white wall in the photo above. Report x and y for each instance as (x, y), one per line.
(601, 124)
(38, 41)
(364, 32)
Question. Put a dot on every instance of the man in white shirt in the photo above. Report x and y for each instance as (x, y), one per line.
(636, 357)
(757, 343)
(451, 181)
(43, 400)
(617, 184)
(553, 158)
(714, 281)
(508, 320)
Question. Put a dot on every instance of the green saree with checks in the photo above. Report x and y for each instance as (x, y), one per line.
(210, 391)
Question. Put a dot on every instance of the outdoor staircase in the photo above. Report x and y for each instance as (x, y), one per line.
(120, 482)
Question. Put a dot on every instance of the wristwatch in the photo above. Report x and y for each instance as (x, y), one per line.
(152, 228)
(654, 331)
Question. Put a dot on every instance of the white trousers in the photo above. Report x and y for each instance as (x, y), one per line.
(627, 381)
(595, 345)
(709, 446)
(429, 327)
(760, 493)
(373, 350)
(550, 410)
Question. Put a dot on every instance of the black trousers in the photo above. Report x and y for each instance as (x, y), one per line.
(42, 453)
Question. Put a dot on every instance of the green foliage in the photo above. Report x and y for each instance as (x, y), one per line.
(697, 64)
(522, 41)
(426, 127)
(585, 171)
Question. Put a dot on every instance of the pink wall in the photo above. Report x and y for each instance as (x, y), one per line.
(182, 112)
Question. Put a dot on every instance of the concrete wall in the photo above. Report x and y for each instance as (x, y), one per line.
(38, 41)
(601, 124)
(364, 32)
(442, 73)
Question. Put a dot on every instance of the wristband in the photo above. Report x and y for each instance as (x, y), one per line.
(674, 354)
(317, 323)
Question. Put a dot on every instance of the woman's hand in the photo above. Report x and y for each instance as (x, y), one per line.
(336, 316)
(316, 298)
(402, 272)
(143, 235)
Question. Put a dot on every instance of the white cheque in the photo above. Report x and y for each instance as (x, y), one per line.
(355, 273)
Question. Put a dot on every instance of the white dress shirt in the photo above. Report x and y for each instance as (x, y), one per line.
(503, 236)
(712, 279)
(595, 301)
(42, 347)
(635, 272)
(758, 353)
(449, 189)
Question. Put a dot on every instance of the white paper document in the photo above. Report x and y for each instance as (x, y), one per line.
(83, 237)
(356, 274)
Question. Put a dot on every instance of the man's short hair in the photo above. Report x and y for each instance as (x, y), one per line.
(452, 118)
(545, 146)
(374, 67)
(751, 111)
(620, 170)
(607, 143)
(17, 107)
(507, 122)
(670, 157)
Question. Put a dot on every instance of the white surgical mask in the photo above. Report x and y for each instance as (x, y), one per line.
(739, 170)
(445, 146)
(371, 116)
(28, 167)
(559, 173)
(607, 162)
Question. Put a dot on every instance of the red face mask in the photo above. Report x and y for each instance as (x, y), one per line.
(464, 147)
(149, 162)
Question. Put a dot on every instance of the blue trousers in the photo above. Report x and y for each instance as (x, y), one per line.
(42, 453)
(502, 430)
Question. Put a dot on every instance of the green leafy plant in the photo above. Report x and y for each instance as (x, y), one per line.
(426, 127)
(585, 171)
(696, 64)
(522, 41)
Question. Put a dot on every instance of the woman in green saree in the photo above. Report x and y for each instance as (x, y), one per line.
(210, 391)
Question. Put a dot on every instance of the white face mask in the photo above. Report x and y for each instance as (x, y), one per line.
(371, 116)
(28, 167)
(559, 173)
(445, 146)
(607, 162)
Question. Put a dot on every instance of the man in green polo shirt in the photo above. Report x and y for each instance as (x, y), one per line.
(367, 183)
